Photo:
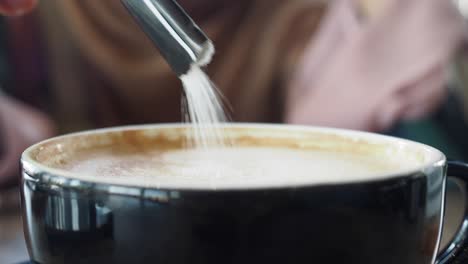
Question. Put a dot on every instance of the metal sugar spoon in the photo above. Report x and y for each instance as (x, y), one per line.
(181, 42)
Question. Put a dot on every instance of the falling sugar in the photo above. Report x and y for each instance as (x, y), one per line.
(202, 106)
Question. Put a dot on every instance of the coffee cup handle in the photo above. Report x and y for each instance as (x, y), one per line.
(457, 250)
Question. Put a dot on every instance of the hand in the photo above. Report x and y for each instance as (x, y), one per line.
(368, 75)
(16, 7)
(20, 127)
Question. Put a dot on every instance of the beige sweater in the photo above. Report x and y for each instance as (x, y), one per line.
(105, 71)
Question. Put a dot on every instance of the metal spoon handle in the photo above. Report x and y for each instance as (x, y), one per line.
(180, 41)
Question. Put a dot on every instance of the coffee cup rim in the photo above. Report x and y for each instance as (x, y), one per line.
(38, 172)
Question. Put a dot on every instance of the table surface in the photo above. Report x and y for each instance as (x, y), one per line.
(13, 248)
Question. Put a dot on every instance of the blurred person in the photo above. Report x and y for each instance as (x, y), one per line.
(369, 65)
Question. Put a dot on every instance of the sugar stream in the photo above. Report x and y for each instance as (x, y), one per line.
(202, 106)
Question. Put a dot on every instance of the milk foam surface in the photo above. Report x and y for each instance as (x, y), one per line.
(220, 168)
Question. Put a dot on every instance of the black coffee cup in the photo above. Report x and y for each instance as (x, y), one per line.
(394, 218)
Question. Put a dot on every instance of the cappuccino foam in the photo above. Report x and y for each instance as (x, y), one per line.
(261, 156)
(240, 167)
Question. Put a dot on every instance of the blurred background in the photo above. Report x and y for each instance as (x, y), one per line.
(396, 67)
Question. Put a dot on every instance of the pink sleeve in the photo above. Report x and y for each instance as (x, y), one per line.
(369, 74)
